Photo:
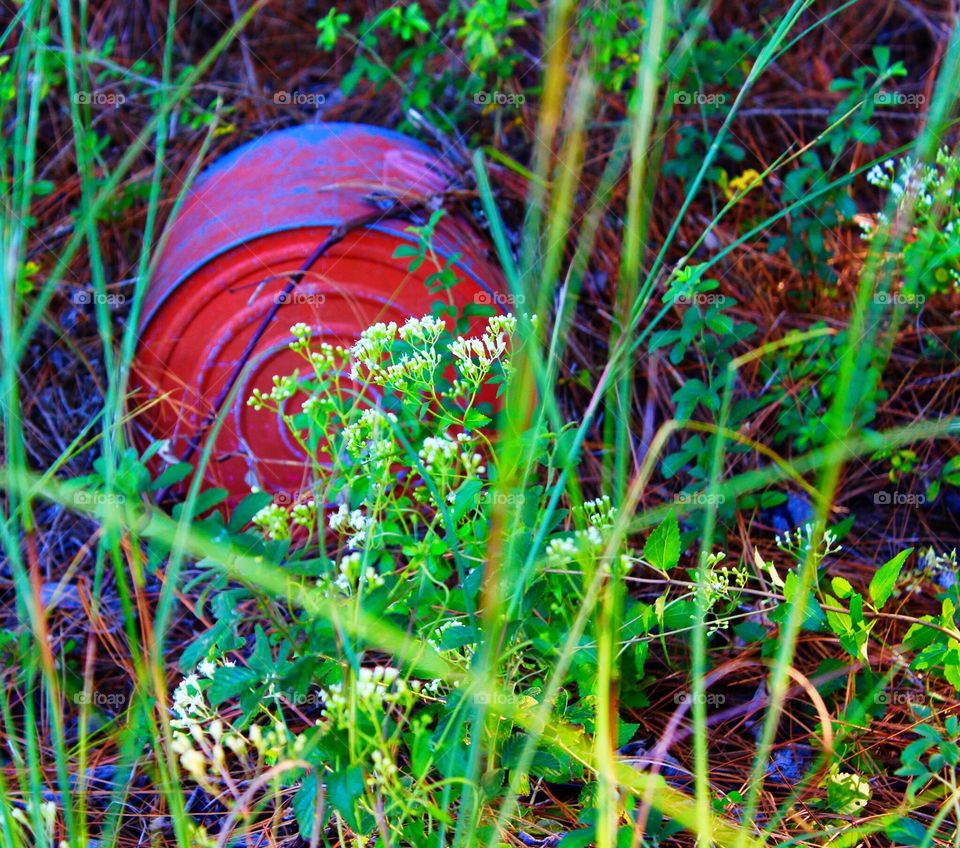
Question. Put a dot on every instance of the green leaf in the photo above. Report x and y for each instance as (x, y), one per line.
(246, 509)
(171, 474)
(951, 471)
(625, 733)
(230, 681)
(688, 397)
(881, 55)
(881, 587)
(344, 787)
(847, 792)
(662, 338)
(907, 832)
(305, 806)
(951, 664)
(205, 501)
(467, 498)
(421, 753)
(662, 549)
(579, 838)
(203, 644)
(751, 631)
(841, 587)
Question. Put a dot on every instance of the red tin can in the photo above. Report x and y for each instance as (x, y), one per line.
(220, 304)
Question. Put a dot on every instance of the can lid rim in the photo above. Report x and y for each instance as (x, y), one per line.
(444, 253)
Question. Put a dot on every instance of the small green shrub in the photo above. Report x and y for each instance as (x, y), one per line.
(850, 124)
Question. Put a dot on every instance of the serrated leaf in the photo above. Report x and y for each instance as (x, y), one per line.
(662, 549)
(229, 682)
(305, 806)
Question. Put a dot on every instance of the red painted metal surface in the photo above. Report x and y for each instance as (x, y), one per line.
(247, 226)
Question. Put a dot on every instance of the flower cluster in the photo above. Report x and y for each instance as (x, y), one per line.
(383, 770)
(407, 359)
(566, 548)
(371, 437)
(475, 357)
(363, 441)
(799, 542)
(741, 184)
(723, 582)
(273, 521)
(373, 690)
(351, 523)
(598, 513)
(283, 389)
(202, 738)
(276, 521)
(374, 358)
(914, 179)
(929, 192)
(423, 331)
(352, 578)
(941, 568)
(449, 463)
(375, 343)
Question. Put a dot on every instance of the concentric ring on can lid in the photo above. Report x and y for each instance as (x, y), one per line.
(245, 229)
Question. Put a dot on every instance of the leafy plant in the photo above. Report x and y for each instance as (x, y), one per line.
(930, 762)
(411, 480)
(808, 373)
(707, 337)
(420, 50)
(849, 124)
(613, 34)
(704, 90)
(926, 198)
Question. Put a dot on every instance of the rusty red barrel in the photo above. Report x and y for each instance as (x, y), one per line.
(244, 231)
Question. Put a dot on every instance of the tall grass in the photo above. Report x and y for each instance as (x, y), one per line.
(33, 704)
